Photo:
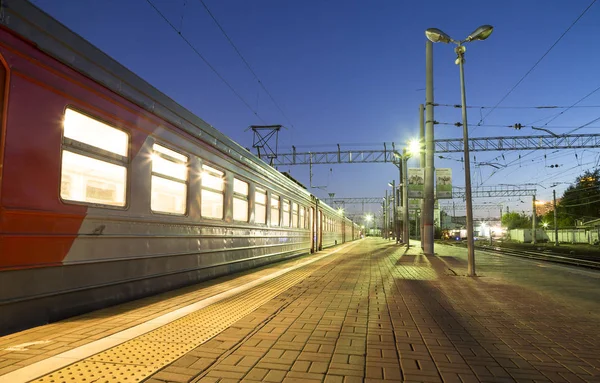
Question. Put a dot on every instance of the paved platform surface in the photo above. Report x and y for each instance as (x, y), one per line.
(370, 311)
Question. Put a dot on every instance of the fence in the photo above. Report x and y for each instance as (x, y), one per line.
(579, 235)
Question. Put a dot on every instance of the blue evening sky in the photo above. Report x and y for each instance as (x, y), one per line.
(353, 72)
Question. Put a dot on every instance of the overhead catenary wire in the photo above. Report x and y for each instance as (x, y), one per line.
(458, 124)
(572, 106)
(584, 125)
(212, 68)
(262, 85)
(458, 106)
(536, 63)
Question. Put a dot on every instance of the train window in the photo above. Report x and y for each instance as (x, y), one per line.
(274, 210)
(260, 206)
(286, 213)
(294, 214)
(169, 181)
(302, 220)
(240, 200)
(94, 161)
(213, 186)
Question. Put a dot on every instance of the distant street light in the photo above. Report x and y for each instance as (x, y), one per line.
(368, 219)
(435, 35)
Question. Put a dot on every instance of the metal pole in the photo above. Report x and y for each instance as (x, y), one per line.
(401, 203)
(416, 222)
(394, 210)
(385, 216)
(406, 233)
(555, 218)
(421, 159)
(533, 223)
(460, 50)
(427, 214)
(399, 210)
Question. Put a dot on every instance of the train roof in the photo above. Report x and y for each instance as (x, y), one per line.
(58, 41)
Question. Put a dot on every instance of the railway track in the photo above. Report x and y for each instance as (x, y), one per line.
(573, 260)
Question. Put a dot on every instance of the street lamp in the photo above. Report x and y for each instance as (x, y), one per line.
(435, 35)
(368, 219)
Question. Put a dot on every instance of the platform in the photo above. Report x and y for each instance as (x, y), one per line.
(367, 311)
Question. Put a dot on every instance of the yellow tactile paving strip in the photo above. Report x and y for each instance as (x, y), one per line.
(138, 358)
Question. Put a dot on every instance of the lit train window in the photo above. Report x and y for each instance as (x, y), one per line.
(169, 181)
(213, 187)
(240, 200)
(286, 213)
(302, 220)
(94, 161)
(294, 214)
(260, 206)
(274, 210)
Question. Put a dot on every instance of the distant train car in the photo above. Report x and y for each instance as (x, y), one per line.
(110, 191)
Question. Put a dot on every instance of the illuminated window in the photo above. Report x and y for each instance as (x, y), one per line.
(260, 206)
(294, 214)
(94, 161)
(240, 200)
(169, 181)
(286, 213)
(274, 210)
(213, 186)
(302, 220)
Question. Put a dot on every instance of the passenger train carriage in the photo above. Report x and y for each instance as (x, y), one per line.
(110, 191)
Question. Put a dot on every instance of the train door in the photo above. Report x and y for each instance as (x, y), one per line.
(343, 231)
(3, 93)
(320, 230)
(311, 224)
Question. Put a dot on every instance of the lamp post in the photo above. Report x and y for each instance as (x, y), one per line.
(406, 233)
(435, 35)
(385, 216)
(394, 209)
(414, 148)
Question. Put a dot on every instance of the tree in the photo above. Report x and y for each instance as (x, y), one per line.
(563, 219)
(581, 200)
(516, 221)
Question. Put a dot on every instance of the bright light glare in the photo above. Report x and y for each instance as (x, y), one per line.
(414, 147)
(368, 217)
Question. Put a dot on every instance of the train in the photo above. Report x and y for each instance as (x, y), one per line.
(111, 191)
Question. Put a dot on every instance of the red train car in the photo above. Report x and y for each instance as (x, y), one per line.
(109, 190)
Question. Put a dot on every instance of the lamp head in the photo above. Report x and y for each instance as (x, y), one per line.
(437, 36)
(414, 147)
(481, 33)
